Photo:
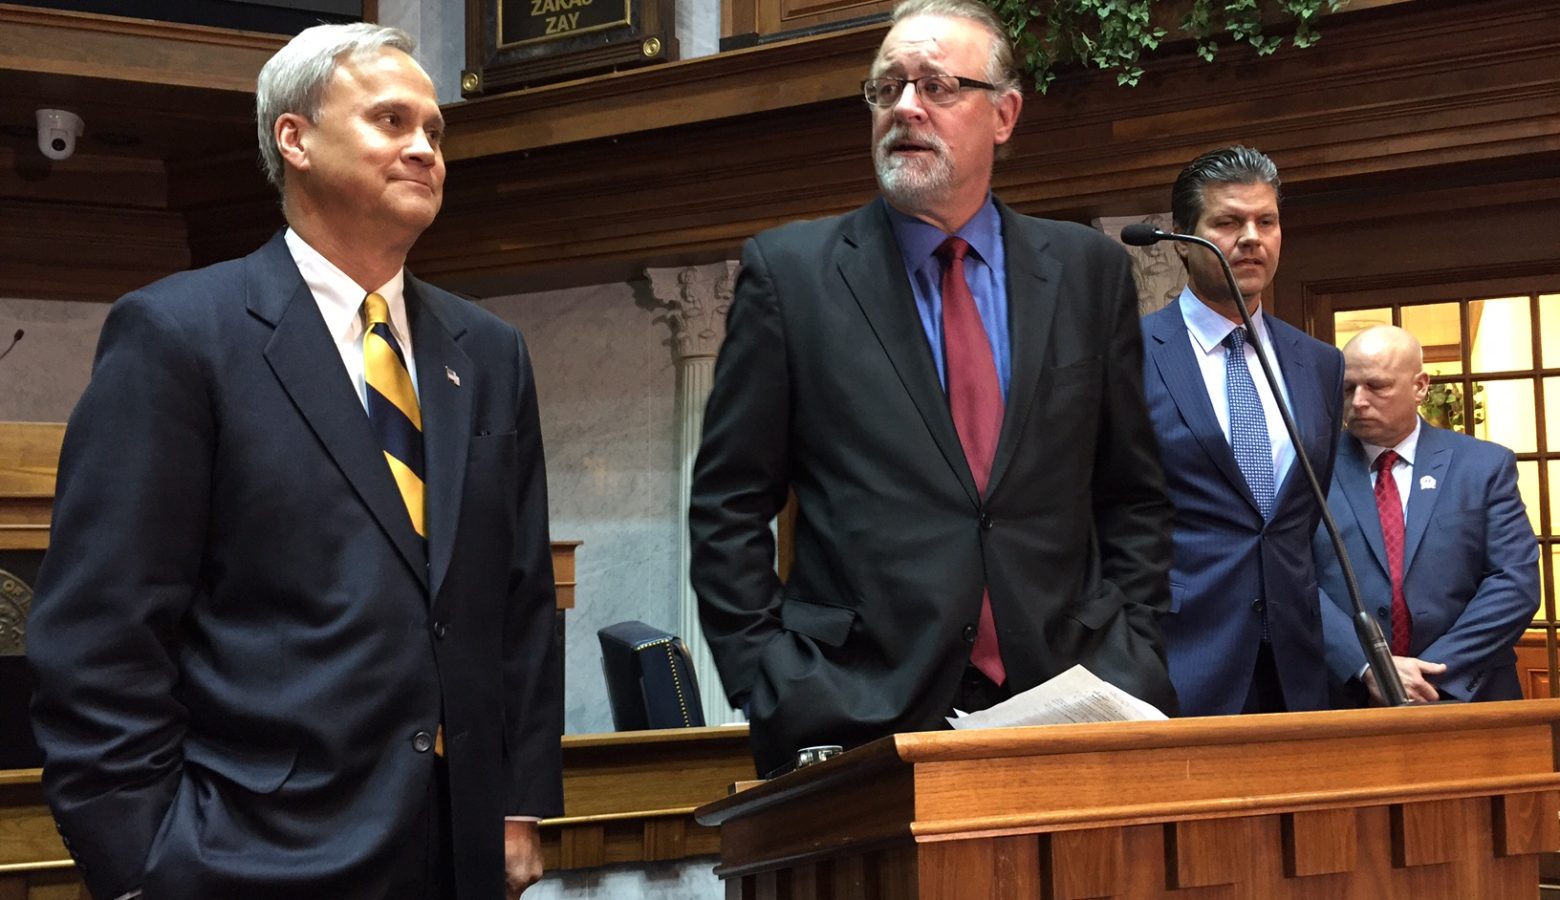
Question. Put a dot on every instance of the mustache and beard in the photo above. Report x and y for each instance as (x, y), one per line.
(912, 182)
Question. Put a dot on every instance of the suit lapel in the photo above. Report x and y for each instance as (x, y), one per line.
(872, 266)
(446, 377)
(1353, 478)
(1171, 350)
(1434, 458)
(305, 360)
(1033, 280)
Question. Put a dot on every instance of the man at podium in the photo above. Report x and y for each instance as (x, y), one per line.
(954, 393)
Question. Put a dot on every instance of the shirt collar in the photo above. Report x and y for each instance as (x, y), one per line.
(1406, 448)
(1208, 328)
(340, 298)
(918, 240)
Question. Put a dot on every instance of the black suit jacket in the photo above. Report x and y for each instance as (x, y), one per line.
(826, 385)
(236, 636)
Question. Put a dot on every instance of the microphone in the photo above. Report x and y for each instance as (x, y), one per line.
(1377, 653)
(14, 339)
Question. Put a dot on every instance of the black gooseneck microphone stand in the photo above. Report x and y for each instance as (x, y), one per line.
(1377, 653)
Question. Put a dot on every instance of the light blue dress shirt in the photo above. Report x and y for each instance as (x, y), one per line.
(985, 268)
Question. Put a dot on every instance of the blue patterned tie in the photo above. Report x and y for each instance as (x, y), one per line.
(1248, 424)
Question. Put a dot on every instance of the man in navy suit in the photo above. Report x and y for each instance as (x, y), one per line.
(1443, 549)
(1244, 630)
(954, 393)
(277, 655)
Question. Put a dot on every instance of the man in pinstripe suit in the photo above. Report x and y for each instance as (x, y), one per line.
(1244, 631)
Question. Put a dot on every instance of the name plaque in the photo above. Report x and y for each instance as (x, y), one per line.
(513, 44)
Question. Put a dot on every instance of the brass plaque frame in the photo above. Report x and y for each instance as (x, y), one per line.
(643, 35)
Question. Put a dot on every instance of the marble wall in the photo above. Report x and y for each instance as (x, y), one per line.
(607, 390)
(48, 369)
(688, 880)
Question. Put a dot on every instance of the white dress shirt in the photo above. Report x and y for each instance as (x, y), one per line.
(1403, 469)
(1207, 331)
(340, 300)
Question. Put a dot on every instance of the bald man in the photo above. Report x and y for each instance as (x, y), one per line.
(1440, 541)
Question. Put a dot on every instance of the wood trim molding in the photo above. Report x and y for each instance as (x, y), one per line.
(686, 92)
(135, 50)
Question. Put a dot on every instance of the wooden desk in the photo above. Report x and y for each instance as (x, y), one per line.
(628, 797)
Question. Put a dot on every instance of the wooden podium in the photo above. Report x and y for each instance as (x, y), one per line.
(1432, 803)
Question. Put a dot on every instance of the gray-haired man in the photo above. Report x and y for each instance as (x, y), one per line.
(293, 634)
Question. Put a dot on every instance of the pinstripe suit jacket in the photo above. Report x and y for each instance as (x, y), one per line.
(1228, 563)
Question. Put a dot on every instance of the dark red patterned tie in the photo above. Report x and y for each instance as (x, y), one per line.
(975, 399)
(1389, 509)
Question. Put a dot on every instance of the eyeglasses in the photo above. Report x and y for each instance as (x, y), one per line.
(939, 90)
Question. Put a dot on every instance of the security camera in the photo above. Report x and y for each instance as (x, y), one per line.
(57, 132)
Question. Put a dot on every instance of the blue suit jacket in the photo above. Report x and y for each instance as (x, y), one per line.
(1470, 564)
(1227, 561)
(237, 636)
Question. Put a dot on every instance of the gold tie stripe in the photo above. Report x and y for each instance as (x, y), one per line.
(392, 408)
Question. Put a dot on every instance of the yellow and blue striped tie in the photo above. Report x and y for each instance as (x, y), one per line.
(392, 407)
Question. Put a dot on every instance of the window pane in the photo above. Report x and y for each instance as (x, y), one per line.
(1502, 332)
(1552, 415)
(1443, 405)
(1549, 330)
(1504, 412)
(1439, 329)
(1351, 322)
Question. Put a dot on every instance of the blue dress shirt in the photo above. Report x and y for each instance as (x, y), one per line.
(985, 268)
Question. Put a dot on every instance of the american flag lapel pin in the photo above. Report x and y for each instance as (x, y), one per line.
(450, 374)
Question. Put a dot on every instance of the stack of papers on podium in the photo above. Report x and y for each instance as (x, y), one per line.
(1076, 695)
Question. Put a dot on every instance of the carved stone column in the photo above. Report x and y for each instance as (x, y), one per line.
(1158, 270)
(694, 301)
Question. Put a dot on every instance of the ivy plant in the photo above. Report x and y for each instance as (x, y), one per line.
(1112, 35)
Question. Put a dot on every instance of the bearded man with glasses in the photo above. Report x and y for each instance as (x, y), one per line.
(954, 393)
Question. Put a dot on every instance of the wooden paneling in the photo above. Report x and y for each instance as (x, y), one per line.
(1319, 841)
(574, 185)
(131, 50)
(157, 99)
(590, 181)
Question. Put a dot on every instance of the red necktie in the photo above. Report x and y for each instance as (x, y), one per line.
(1389, 509)
(975, 399)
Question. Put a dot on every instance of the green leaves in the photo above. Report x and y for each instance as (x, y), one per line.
(1112, 35)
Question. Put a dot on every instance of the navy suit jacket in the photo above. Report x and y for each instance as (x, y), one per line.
(1470, 565)
(237, 637)
(1228, 563)
(826, 385)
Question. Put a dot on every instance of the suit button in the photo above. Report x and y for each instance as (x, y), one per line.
(439, 628)
(1381, 613)
(1257, 606)
(422, 742)
(985, 521)
(969, 634)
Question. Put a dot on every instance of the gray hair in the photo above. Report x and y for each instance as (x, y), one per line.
(1226, 165)
(1000, 69)
(293, 81)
